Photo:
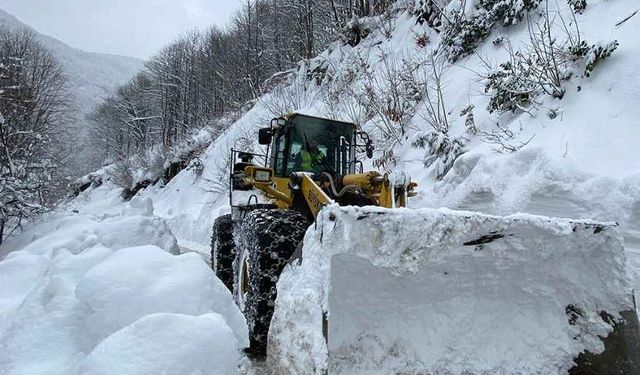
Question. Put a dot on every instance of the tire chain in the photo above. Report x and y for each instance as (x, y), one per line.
(271, 236)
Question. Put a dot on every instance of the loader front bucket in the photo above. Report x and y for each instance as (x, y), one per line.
(443, 292)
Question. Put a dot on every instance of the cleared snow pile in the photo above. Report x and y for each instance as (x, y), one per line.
(449, 292)
(97, 289)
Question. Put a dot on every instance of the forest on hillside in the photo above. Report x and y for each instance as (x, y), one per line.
(202, 75)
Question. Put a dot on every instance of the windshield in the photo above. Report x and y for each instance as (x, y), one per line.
(318, 145)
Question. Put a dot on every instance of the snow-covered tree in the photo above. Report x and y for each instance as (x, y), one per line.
(33, 107)
(196, 79)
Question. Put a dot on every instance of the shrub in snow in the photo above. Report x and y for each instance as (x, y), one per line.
(578, 6)
(469, 121)
(92, 180)
(507, 12)
(422, 40)
(429, 11)
(511, 87)
(593, 55)
(354, 31)
(159, 164)
(462, 34)
(503, 139)
(122, 174)
(542, 67)
(344, 98)
(442, 151)
(196, 166)
(289, 97)
(393, 93)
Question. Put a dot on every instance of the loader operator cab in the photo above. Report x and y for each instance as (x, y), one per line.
(302, 143)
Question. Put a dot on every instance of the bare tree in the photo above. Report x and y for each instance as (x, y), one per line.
(201, 76)
(33, 109)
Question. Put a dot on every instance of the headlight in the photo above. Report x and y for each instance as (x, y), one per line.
(262, 176)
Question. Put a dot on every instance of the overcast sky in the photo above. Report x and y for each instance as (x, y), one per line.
(125, 27)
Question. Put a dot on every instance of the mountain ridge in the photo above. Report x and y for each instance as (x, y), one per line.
(92, 75)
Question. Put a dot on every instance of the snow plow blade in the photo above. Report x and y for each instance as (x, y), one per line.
(446, 292)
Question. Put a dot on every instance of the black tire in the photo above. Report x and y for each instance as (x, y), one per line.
(266, 239)
(223, 250)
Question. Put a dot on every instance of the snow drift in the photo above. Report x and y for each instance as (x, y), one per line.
(97, 288)
(446, 292)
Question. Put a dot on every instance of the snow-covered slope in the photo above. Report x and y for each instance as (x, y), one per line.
(580, 164)
(93, 75)
(581, 161)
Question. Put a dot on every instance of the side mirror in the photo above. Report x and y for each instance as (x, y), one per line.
(264, 136)
(369, 149)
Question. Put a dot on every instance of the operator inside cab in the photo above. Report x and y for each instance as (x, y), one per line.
(310, 158)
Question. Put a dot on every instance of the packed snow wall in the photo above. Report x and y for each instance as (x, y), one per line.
(447, 292)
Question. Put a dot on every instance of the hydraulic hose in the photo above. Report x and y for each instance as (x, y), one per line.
(344, 190)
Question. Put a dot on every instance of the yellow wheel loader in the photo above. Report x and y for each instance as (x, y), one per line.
(383, 289)
(310, 163)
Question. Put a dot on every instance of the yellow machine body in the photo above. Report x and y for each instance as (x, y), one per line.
(379, 189)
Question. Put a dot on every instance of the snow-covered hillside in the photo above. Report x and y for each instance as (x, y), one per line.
(581, 163)
(93, 76)
(574, 157)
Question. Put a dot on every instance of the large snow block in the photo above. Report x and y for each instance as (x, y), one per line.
(446, 292)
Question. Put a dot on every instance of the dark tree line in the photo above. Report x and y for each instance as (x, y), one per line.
(33, 136)
(202, 75)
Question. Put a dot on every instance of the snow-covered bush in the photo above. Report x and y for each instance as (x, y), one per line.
(577, 6)
(196, 166)
(355, 31)
(511, 87)
(123, 174)
(344, 98)
(287, 98)
(507, 12)
(393, 93)
(503, 139)
(442, 151)
(542, 66)
(429, 11)
(430, 74)
(593, 55)
(159, 165)
(469, 120)
(92, 180)
(461, 34)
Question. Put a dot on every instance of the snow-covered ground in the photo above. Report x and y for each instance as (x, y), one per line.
(87, 286)
(100, 288)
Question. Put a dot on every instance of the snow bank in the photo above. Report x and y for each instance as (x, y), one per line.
(197, 345)
(140, 281)
(440, 291)
(97, 287)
